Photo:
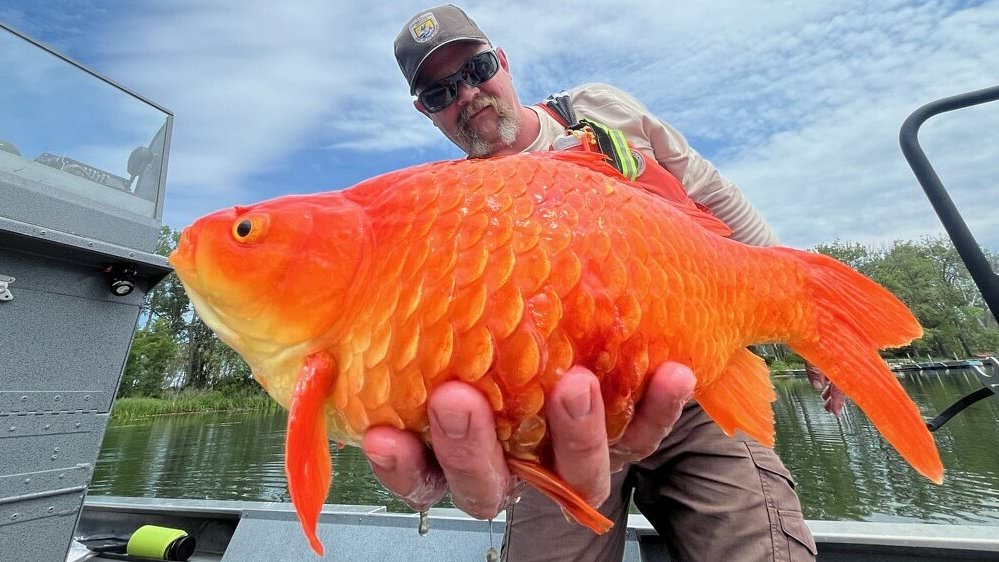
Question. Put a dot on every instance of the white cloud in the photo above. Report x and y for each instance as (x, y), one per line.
(839, 157)
(798, 102)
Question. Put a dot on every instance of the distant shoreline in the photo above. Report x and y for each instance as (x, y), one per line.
(252, 399)
(194, 402)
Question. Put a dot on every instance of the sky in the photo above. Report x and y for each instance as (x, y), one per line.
(797, 102)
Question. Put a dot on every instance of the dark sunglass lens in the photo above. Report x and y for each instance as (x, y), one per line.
(482, 67)
(436, 97)
(477, 70)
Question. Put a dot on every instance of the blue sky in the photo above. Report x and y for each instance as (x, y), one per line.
(799, 103)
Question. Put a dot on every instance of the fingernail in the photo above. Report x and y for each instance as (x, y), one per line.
(454, 424)
(578, 405)
(384, 462)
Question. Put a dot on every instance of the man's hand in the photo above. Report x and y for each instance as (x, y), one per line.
(468, 460)
(833, 397)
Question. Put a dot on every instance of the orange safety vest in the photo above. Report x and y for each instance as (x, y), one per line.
(644, 169)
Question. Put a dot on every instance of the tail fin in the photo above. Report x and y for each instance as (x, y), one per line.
(553, 487)
(854, 317)
(307, 455)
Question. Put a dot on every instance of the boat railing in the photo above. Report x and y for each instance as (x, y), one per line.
(964, 241)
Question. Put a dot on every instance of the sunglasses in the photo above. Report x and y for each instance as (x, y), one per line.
(442, 93)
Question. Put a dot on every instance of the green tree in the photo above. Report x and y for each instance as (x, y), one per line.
(853, 254)
(209, 361)
(155, 347)
(174, 343)
(929, 276)
(990, 317)
(168, 300)
(150, 361)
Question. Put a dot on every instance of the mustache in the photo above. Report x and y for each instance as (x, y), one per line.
(477, 105)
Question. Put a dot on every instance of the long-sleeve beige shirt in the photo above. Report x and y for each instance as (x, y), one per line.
(614, 108)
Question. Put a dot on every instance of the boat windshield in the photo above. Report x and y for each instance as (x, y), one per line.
(72, 134)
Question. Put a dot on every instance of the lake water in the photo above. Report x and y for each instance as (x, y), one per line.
(844, 470)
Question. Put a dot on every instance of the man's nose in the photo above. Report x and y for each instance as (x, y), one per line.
(466, 93)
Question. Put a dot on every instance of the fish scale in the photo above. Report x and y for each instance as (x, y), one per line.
(504, 273)
(614, 316)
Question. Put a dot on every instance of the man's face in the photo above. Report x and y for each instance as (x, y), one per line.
(483, 118)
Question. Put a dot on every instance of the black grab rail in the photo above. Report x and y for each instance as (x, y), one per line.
(967, 247)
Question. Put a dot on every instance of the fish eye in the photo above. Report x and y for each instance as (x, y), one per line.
(249, 228)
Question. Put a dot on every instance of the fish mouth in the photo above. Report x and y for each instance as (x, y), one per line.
(182, 258)
(184, 263)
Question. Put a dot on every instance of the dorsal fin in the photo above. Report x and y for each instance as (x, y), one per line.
(673, 193)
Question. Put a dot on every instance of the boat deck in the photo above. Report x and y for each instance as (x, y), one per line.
(234, 531)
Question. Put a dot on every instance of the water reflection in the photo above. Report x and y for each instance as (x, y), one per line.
(236, 456)
(844, 469)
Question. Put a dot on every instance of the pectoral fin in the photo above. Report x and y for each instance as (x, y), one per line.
(307, 457)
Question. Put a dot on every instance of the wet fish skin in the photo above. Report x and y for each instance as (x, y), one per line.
(352, 306)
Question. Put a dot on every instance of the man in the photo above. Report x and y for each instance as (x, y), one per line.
(713, 497)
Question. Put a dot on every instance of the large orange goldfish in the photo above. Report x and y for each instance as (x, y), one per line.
(352, 306)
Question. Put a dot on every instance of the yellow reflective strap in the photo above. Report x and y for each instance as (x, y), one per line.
(618, 150)
(628, 166)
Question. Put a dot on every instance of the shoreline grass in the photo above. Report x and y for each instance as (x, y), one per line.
(192, 402)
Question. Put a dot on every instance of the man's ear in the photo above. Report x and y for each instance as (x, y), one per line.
(501, 55)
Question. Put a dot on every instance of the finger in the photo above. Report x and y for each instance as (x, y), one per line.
(835, 400)
(816, 377)
(832, 399)
(405, 466)
(464, 439)
(575, 411)
(670, 388)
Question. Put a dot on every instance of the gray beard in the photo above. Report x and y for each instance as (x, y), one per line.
(507, 128)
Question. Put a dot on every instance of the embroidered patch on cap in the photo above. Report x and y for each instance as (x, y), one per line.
(424, 27)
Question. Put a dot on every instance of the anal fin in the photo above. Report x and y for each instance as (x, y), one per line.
(741, 398)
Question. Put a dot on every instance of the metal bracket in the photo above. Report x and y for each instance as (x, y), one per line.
(990, 382)
(990, 388)
(5, 294)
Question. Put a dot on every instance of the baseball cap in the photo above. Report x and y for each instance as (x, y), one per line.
(428, 31)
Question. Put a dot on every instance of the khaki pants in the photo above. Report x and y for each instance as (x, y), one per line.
(712, 497)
